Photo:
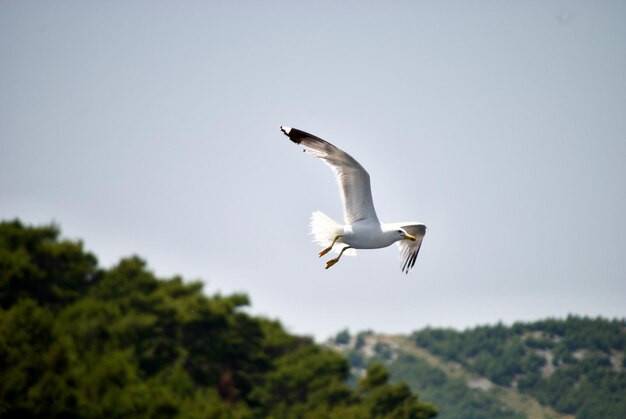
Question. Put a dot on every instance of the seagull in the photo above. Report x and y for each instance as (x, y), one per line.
(361, 228)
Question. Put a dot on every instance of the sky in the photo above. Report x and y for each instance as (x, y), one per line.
(151, 128)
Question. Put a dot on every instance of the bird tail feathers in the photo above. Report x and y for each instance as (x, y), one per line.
(324, 230)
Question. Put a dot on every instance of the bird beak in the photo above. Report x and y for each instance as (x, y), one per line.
(409, 237)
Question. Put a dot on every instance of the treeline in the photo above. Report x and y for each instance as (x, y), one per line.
(77, 340)
(575, 365)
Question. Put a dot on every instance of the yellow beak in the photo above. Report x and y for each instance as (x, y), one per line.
(409, 237)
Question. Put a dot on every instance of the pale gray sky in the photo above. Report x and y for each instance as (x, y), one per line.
(152, 127)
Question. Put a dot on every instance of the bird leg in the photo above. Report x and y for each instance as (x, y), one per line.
(329, 248)
(335, 260)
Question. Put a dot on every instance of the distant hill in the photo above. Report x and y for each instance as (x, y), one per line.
(574, 367)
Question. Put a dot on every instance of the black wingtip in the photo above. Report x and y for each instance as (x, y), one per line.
(294, 135)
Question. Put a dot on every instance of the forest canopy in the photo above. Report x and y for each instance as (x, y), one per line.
(78, 340)
(575, 365)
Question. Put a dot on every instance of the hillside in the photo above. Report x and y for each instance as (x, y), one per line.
(80, 341)
(573, 367)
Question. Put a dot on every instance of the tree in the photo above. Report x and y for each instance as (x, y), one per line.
(343, 337)
(77, 340)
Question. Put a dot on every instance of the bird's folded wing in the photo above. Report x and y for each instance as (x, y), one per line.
(353, 179)
(410, 249)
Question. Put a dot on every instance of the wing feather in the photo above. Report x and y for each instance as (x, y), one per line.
(410, 249)
(352, 178)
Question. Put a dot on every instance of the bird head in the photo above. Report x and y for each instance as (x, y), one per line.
(403, 235)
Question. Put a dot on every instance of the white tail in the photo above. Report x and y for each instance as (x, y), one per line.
(324, 230)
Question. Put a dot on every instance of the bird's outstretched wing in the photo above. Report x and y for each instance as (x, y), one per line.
(409, 249)
(353, 180)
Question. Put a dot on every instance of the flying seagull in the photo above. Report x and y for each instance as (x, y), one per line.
(361, 229)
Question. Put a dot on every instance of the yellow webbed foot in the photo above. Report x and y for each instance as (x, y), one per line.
(324, 251)
(329, 248)
(331, 262)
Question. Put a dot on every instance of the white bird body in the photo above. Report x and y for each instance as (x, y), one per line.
(369, 235)
(362, 229)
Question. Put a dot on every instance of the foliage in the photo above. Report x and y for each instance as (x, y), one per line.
(452, 396)
(572, 365)
(455, 400)
(77, 340)
(343, 337)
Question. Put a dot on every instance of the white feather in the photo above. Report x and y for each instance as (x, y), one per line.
(324, 230)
